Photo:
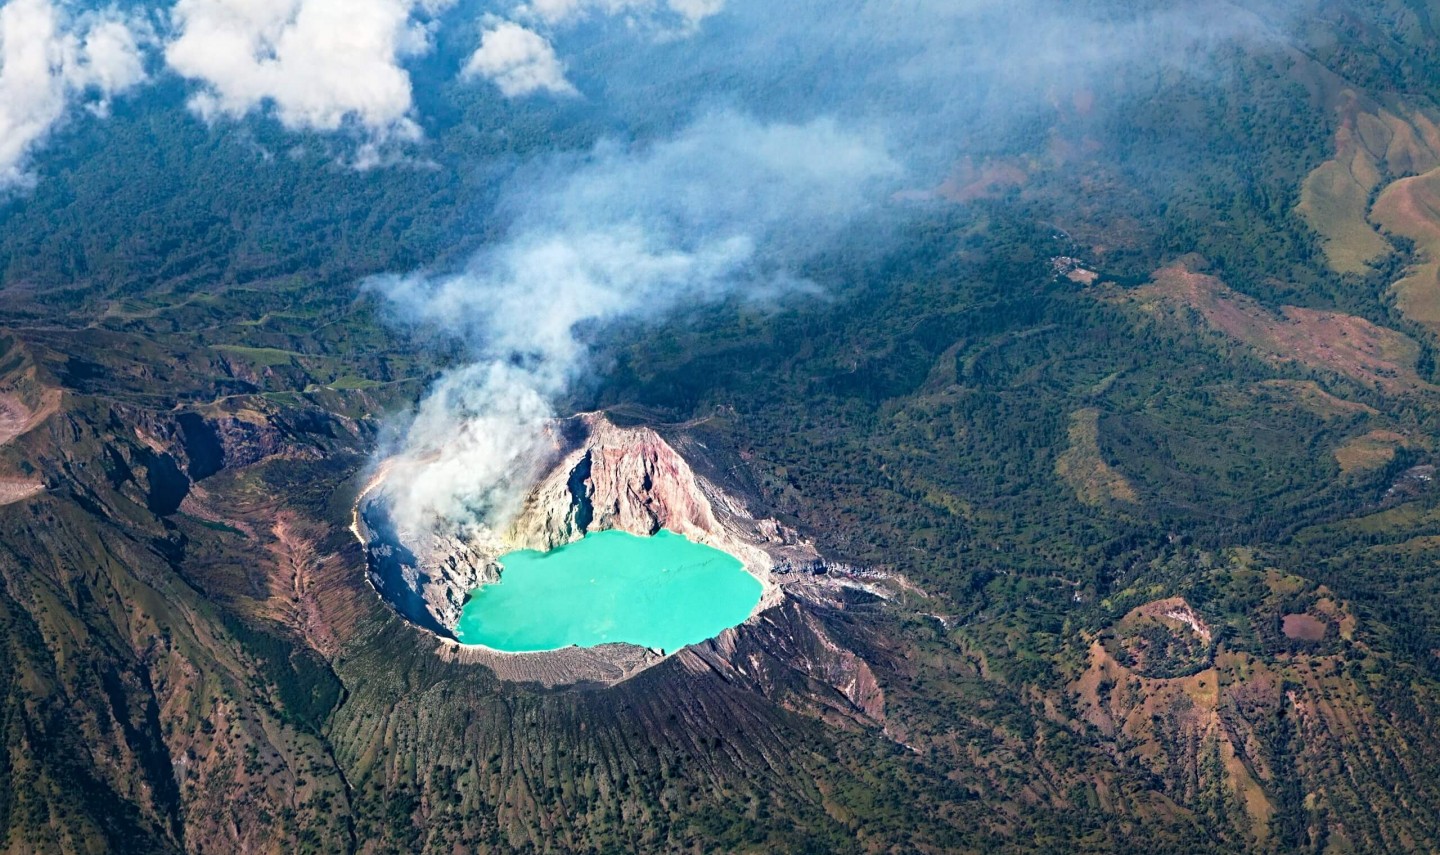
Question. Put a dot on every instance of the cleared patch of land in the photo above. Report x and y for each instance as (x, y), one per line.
(1410, 207)
(1085, 470)
(990, 178)
(1304, 627)
(1309, 395)
(265, 357)
(1370, 143)
(1370, 451)
(14, 490)
(1328, 341)
(1334, 200)
(17, 419)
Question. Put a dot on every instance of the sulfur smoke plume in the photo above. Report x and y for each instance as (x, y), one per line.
(728, 207)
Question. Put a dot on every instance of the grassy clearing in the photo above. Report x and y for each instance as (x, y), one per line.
(265, 357)
(1094, 481)
(1411, 208)
(352, 384)
(1370, 451)
(1309, 395)
(1333, 200)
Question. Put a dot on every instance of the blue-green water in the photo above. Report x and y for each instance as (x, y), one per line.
(662, 591)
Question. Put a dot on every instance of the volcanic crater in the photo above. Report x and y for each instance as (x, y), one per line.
(600, 476)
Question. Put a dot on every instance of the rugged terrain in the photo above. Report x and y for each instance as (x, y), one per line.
(1120, 458)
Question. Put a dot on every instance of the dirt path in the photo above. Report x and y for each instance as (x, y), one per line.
(297, 559)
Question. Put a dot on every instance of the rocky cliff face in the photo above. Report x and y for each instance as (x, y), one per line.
(627, 479)
(631, 479)
(427, 575)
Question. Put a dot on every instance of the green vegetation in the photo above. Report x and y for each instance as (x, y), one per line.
(264, 357)
(188, 644)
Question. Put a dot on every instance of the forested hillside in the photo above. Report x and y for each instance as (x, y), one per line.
(1127, 390)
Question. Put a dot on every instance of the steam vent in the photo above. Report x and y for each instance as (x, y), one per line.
(626, 482)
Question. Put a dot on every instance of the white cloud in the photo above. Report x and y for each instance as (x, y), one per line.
(519, 61)
(687, 14)
(50, 60)
(695, 11)
(318, 64)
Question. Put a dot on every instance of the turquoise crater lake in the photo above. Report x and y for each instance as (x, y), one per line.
(662, 591)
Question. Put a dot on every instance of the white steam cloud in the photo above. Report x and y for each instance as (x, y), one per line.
(318, 64)
(519, 61)
(51, 60)
(728, 207)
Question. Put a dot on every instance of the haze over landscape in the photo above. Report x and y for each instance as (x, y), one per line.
(719, 426)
